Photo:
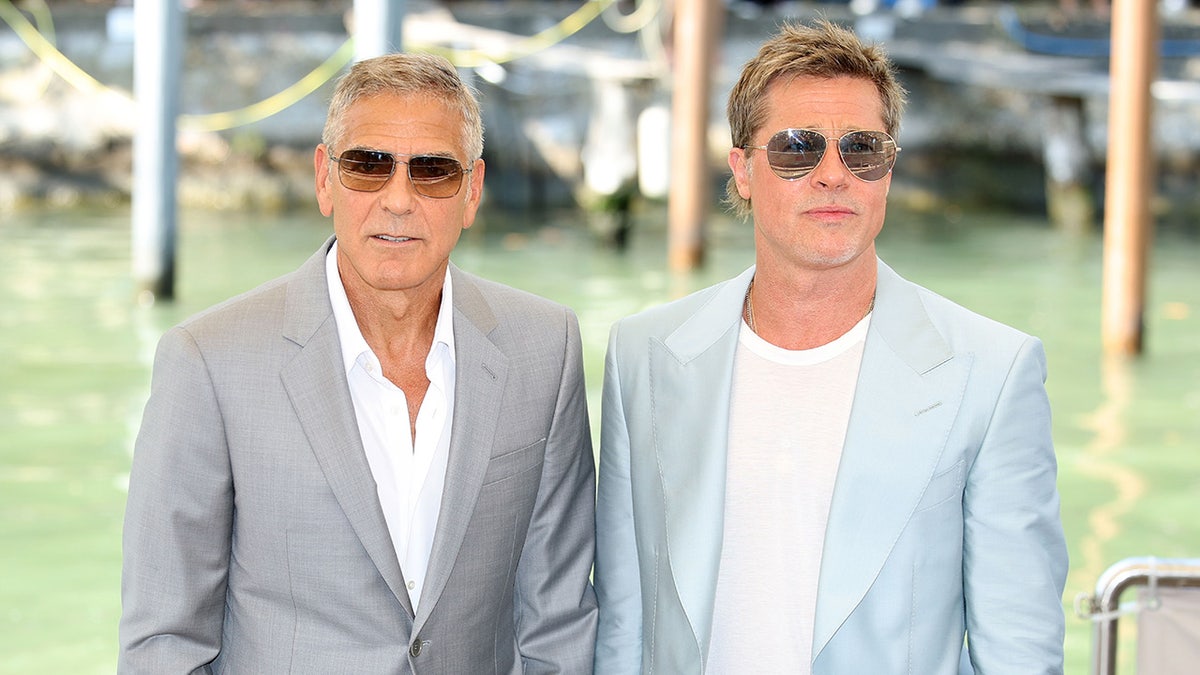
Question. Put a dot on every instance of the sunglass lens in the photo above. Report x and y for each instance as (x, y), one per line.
(793, 153)
(868, 154)
(365, 170)
(437, 177)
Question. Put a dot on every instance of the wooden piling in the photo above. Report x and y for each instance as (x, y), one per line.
(1127, 222)
(694, 44)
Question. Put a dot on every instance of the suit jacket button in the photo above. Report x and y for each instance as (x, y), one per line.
(415, 649)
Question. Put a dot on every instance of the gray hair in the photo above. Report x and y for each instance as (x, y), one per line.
(406, 74)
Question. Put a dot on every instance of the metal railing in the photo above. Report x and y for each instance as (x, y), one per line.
(1104, 608)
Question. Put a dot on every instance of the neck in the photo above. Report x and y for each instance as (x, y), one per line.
(396, 322)
(799, 316)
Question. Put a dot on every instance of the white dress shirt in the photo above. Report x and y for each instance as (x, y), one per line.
(409, 476)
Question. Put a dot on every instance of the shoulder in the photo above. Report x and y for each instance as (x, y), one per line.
(500, 310)
(960, 324)
(299, 300)
(502, 296)
(717, 304)
(242, 314)
(914, 319)
(953, 320)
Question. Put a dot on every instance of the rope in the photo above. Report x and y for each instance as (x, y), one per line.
(45, 25)
(43, 47)
(276, 103)
(572, 24)
(45, 50)
(645, 12)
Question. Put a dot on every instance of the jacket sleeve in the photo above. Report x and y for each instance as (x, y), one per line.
(1014, 552)
(555, 603)
(617, 577)
(178, 521)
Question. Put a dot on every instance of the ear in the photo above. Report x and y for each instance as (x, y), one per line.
(323, 176)
(475, 197)
(739, 163)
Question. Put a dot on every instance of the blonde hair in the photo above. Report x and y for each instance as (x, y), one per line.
(406, 74)
(822, 50)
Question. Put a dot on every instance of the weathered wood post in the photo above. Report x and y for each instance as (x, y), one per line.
(695, 34)
(157, 60)
(1129, 185)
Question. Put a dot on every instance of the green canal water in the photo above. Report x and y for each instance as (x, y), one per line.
(75, 354)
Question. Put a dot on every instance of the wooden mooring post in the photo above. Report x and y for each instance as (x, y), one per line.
(1129, 180)
(694, 43)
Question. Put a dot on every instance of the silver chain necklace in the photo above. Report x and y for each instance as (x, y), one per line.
(748, 313)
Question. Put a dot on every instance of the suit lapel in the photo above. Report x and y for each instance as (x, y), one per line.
(481, 372)
(909, 390)
(692, 372)
(315, 380)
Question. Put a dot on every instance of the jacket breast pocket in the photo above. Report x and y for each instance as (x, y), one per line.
(515, 463)
(944, 487)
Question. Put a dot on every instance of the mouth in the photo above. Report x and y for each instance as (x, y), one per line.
(830, 211)
(831, 208)
(390, 238)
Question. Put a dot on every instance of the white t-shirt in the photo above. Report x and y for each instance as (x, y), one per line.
(787, 423)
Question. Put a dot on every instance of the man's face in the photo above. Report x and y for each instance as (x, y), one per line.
(829, 217)
(396, 239)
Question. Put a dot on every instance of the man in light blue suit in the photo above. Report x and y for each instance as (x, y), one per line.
(818, 466)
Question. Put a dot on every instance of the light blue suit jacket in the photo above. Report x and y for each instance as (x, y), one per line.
(945, 514)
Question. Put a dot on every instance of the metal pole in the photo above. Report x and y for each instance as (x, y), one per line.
(378, 28)
(158, 25)
(1127, 222)
(688, 203)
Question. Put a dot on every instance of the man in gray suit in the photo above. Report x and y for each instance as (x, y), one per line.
(817, 466)
(378, 463)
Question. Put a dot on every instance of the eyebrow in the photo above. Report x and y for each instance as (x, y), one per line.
(435, 153)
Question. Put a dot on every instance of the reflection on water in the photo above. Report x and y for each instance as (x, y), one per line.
(76, 358)
(1109, 424)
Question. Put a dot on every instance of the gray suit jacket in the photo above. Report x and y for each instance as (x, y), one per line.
(944, 516)
(254, 540)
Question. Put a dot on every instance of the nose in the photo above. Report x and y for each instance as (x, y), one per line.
(831, 171)
(398, 195)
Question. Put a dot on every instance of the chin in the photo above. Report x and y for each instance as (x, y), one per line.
(833, 258)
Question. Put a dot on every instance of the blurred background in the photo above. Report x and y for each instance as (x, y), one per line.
(998, 202)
